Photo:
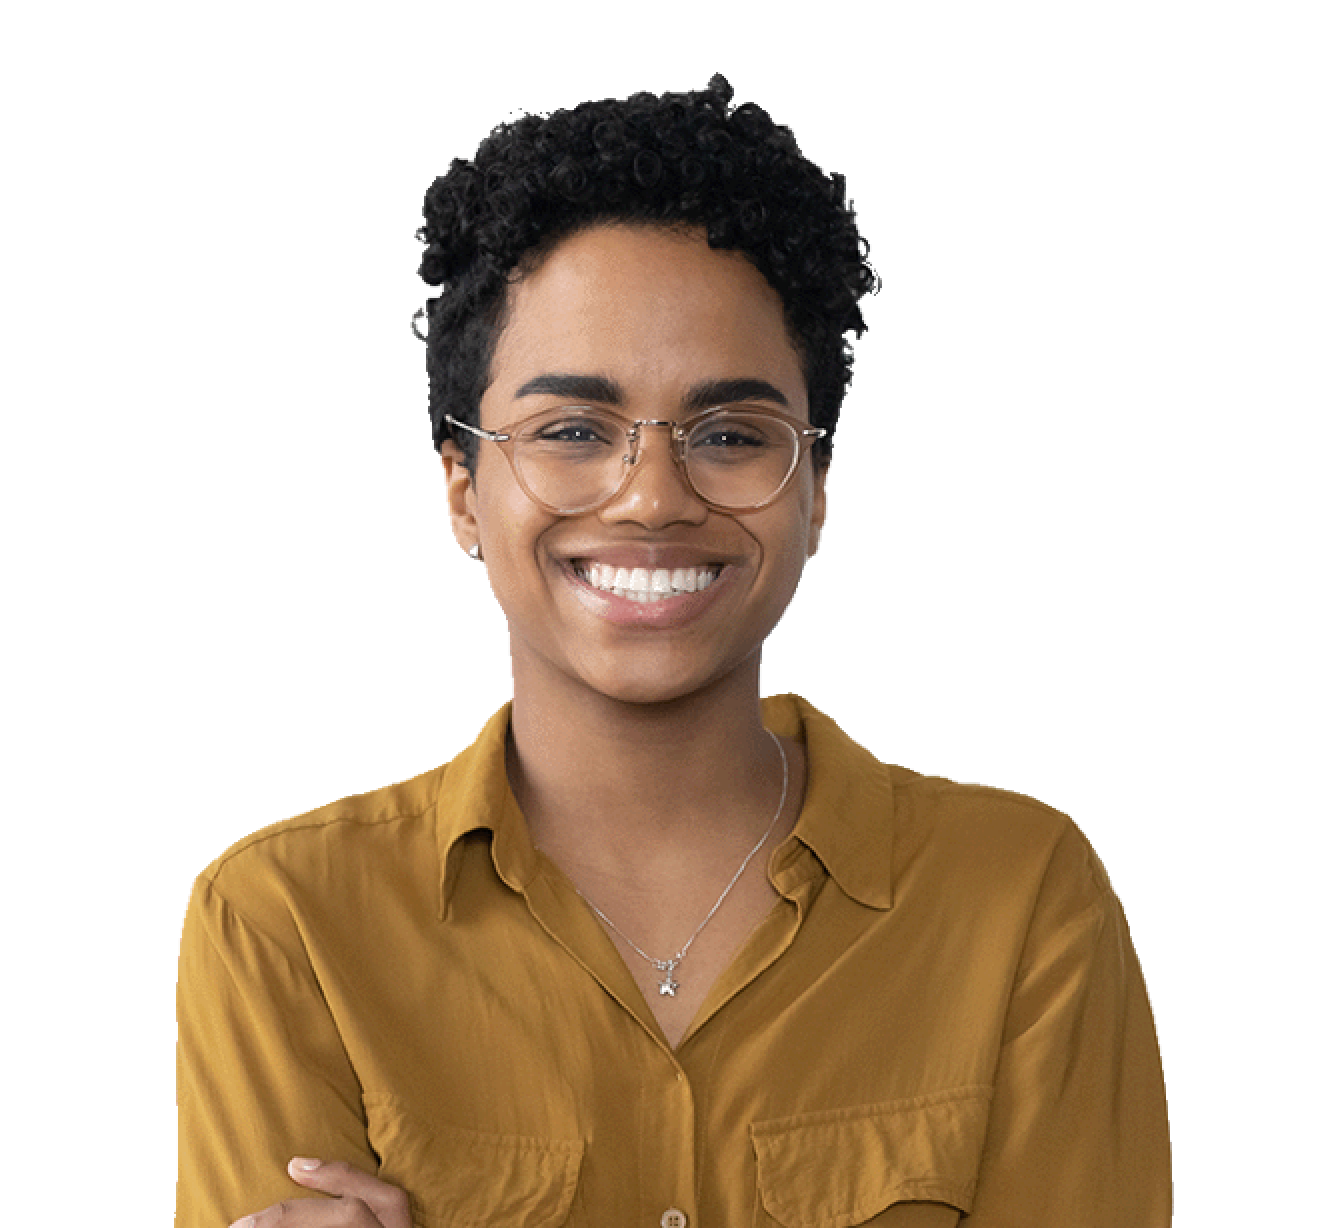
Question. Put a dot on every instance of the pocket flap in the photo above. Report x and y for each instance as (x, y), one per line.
(458, 1178)
(844, 1166)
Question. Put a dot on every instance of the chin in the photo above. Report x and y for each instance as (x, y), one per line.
(641, 692)
(657, 684)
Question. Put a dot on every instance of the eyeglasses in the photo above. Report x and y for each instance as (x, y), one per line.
(574, 459)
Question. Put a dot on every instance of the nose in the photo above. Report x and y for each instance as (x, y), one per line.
(655, 493)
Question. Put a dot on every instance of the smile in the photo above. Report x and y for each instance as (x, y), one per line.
(648, 599)
(643, 584)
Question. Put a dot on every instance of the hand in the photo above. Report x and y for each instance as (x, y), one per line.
(359, 1201)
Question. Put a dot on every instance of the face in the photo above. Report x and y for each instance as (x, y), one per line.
(640, 320)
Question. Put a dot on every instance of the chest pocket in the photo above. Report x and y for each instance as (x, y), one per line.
(846, 1168)
(460, 1178)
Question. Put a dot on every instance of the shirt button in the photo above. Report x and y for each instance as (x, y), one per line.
(674, 1218)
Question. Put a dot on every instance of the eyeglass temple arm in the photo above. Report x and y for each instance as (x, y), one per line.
(493, 436)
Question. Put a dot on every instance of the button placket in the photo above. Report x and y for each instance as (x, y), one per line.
(674, 1218)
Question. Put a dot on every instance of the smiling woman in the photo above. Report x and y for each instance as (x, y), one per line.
(652, 322)
(656, 949)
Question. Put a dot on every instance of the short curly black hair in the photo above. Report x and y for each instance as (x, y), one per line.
(674, 160)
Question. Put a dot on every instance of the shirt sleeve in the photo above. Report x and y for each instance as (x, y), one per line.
(1078, 1131)
(262, 1072)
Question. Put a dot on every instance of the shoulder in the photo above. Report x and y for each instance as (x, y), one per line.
(991, 841)
(973, 810)
(342, 854)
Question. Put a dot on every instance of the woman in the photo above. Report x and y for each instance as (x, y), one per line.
(654, 950)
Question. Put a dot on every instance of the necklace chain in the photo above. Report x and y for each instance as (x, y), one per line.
(669, 987)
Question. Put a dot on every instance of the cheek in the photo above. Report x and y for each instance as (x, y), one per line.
(784, 538)
(510, 528)
(799, 533)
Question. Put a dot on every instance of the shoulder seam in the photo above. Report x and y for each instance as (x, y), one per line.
(942, 784)
(306, 823)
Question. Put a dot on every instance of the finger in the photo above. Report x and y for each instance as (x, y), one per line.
(313, 1213)
(332, 1177)
(387, 1202)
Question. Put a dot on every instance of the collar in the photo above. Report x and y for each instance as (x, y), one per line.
(846, 820)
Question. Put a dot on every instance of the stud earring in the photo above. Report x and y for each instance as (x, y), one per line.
(475, 552)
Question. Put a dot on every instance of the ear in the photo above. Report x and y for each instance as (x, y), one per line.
(460, 495)
(818, 508)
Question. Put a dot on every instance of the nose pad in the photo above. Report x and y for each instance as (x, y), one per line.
(676, 449)
(643, 472)
(676, 446)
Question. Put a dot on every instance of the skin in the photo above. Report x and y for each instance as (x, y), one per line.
(353, 1200)
(636, 752)
(640, 755)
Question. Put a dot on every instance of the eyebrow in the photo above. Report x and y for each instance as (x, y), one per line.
(731, 392)
(605, 391)
(597, 388)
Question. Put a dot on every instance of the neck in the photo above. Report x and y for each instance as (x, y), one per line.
(619, 787)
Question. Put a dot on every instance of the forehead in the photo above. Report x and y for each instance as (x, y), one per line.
(655, 310)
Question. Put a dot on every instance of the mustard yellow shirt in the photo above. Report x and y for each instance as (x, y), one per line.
(942, 1017)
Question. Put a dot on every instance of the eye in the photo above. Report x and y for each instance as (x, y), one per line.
(570, 432)
(729, 437)
(576, 429)
(730, 434)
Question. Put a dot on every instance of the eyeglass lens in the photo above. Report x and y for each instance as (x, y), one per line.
(574, 459)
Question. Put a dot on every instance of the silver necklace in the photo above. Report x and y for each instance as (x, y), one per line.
(668, 986)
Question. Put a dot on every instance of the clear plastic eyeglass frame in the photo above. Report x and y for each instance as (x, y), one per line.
(508, 440)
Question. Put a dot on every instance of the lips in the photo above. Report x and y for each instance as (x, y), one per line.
(657, 588)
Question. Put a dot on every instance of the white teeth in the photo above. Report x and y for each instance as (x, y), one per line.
(644, 584)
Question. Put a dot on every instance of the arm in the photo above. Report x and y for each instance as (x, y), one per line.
(1078, 1131)
(262, 1072)
(354, 1200)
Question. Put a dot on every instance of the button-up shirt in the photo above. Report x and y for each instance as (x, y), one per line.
(942, 1015)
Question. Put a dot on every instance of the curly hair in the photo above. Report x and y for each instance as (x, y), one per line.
(684, 160)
